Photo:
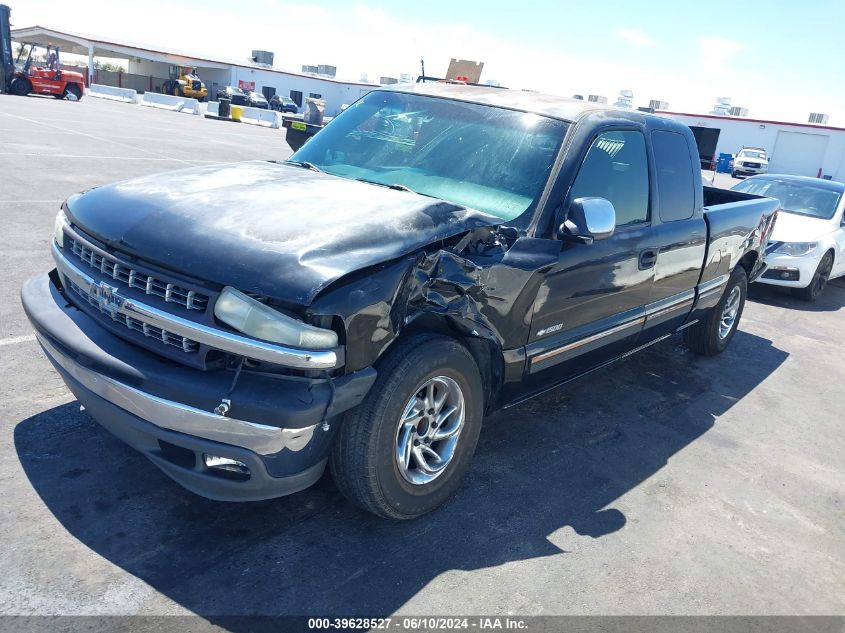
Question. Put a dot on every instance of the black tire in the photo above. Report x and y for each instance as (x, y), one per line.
(817, 284)
(20, 87)
(707, 337)
(363, 462)
(74, 90)
(733, 174)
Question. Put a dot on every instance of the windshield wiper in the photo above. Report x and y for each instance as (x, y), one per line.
(305, 164)
(395, 186)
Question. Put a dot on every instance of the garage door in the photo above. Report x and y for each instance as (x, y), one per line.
(798, 154)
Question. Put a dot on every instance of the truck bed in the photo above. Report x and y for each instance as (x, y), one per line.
(735, 220)
(714, 196)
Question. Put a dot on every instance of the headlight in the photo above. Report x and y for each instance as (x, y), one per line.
(795, 249)
(59, 228)
(263, 322)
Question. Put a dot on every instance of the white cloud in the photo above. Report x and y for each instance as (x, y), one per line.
(716, 53)
(635, 37)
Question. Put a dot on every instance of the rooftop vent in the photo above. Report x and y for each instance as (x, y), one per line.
(265, 58)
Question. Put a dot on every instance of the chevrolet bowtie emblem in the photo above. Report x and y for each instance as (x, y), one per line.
(107, 298)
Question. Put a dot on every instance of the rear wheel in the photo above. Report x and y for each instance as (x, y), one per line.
(404, 450)
(712, 334)
(20, 87)
(819, 280)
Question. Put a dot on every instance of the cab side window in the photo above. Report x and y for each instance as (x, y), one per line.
(675, 184)
(616, 168)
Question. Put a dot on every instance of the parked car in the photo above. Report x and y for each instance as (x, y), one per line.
(234, 94)
(256, 100)
(283, 104)
(808, 244)
(437, 253)
(750, 161)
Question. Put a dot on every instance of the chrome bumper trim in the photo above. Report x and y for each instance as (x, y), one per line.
(213, 337)
(175, 416)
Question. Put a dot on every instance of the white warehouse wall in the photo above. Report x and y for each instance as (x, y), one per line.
(736, 132)
(335, 93)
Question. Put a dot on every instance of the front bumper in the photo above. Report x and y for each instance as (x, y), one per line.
(753, 171)
(166, 410)
(799, 270)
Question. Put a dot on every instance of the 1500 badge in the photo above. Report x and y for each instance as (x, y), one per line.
(550, 329)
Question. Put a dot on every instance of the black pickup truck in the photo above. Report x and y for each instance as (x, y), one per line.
(435, 253)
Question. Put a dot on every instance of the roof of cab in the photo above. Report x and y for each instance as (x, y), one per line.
(538, 103)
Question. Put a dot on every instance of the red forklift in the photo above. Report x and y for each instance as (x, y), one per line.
(25, 74)
(47, 77)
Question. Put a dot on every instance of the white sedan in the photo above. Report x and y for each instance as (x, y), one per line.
(807, 246)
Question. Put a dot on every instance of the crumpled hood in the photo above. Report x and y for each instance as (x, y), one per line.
(791, 227)
(278, 230)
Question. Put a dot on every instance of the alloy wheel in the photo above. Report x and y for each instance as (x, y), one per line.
(428, 430)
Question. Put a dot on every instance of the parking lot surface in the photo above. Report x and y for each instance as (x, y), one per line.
(667, 484)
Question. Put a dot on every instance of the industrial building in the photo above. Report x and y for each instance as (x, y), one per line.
(148, 68)
(801, 149)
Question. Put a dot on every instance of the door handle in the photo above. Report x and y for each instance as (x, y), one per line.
(648, 258)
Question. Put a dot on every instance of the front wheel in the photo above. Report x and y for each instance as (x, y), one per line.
(814, 290)
(404, 450)
(73, 89)
(711, 335)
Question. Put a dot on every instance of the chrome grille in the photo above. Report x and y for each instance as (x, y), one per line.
(148, 284)
(185, 344)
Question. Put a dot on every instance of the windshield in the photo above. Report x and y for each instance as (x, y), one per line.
(487, 158)
(747, 154)
(795, 197)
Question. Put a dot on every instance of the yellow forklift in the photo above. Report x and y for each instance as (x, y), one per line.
(184, 82)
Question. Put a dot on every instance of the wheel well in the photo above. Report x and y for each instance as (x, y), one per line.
(749, 260)
(486, 352)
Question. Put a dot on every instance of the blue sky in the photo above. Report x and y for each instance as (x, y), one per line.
(779, 59)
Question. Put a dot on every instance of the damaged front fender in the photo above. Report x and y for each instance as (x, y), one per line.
(483, 286)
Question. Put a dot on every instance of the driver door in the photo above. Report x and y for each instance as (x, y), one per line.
(591, 306)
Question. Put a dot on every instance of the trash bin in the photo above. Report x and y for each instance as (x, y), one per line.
(224, 108)
(723, 164)
(237, 111)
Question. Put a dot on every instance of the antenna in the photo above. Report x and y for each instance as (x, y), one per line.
(422, 67)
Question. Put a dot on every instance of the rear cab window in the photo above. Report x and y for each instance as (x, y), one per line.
(675, 181)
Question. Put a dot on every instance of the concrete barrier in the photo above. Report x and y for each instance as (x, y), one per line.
(126, 95)
(168, 102)
(213, 109)
(267, 118)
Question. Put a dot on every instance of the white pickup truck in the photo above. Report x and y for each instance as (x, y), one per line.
(750, 161)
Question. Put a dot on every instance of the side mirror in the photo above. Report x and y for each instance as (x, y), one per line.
(589, 219)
